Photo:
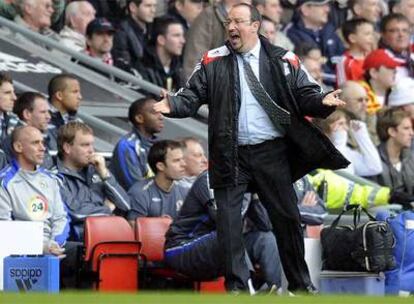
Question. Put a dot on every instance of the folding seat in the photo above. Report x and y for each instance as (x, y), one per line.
(111, 253)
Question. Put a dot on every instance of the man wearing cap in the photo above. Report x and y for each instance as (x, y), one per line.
(99, 39)
(311, 26)
(402, 96)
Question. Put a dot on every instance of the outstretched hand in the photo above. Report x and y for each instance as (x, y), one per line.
(162, 106)
(332, 99)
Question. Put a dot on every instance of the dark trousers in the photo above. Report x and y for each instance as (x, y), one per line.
(200, 258)
(264, 169)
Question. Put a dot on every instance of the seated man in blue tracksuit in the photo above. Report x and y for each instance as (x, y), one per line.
(89, 189)
(129, 161)
(192, 248)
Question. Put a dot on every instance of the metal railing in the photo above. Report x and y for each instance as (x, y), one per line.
(92, 62)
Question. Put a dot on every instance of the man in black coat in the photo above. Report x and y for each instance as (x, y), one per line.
(258, 138)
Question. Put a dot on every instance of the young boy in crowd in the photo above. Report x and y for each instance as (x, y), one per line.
(359, 34)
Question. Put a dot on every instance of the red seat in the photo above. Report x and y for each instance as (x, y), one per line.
(112, 252)
(150, 232)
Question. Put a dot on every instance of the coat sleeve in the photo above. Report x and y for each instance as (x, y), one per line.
(59, 220)
(79, 210)
(116, 194)
(188, 99)
(126, 165)
(307, 92)
(5, 205)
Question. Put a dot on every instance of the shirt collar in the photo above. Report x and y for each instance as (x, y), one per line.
(255, 51)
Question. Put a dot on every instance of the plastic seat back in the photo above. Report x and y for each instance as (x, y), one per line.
(112, 253)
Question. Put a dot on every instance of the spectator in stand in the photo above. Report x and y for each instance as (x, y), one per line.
(268, 29)
(311, 205)
(395, 37)
(113, 10)
(185, 11)
(161, 195)
(131, 38)
(36, 15)
(272, 10)
(129, 161)
(366, 9)
(194, 158)
(365, 161)
(312, 60)
(338, 12)
(99, 40)
(402, 96)
(65, 96)
(395, 131)
(192, 247)
(88, 188)
(406, 7)
(78, 14)
(161, 64)
(31, 193)
(380, 70)
(10, 9)
(207, 32)
(32, 109)
(359, 36)
(8, 120)
(356, 98)
(311, 25)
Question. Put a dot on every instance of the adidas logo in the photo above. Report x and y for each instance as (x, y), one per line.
(25, 284)
(25, 278)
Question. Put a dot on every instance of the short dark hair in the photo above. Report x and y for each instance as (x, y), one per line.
(26, 102)
(158, 152)
(137, 108)
(392, 17)
(160, 27)
(389, 118)
(254, 12)
(58, 83)
(67, 134)
(303, 49)
(5, 78)
(351, 27)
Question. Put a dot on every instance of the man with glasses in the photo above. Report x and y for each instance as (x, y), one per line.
(259, 139)
(395, 37)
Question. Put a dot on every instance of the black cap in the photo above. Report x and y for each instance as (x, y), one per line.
(314, 2)
(99, 25)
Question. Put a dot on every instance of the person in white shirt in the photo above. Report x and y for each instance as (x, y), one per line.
(365, 161)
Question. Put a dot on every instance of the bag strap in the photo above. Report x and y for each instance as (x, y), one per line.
(357, 215)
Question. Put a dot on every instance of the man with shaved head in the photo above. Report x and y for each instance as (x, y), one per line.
(356, 99)
(30, 193)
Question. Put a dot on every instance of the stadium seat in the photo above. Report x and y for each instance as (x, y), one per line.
(111, 253)
(150, 232)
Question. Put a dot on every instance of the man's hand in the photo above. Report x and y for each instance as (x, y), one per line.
(309, 199)
(99, 162)
(163, 106)
(332, 100)
(55, 249)
(109, 204)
